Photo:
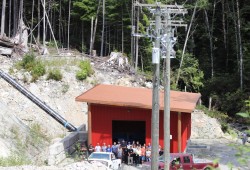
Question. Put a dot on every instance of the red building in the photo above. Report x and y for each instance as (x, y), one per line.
(116, 112)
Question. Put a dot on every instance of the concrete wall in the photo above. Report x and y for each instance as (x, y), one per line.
(59, 150)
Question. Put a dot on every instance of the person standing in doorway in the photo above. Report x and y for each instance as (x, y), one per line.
(143, 154)
(115, 149)
(130, 155)
(104, 147)
(91, 148)
(108, 149)
(119, 153)
(98, 148)
(148, 154)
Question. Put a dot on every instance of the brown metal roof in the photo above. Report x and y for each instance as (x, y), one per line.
(138, 97)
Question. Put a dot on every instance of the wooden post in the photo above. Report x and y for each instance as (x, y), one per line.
(50, 28)
(179, 132)
(210, 103)
(89, 125)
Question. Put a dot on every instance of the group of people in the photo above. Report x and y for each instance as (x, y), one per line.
(130, 153)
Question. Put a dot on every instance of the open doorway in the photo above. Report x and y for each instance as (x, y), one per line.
(129, 131)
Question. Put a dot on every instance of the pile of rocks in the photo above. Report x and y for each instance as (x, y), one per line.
(205, 127)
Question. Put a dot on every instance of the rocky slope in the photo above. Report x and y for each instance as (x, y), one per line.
(19, 113)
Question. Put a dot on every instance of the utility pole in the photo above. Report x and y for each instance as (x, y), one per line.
(155, 100)
(156, 34)
(168, 42)
(166, 118)
(137, 41)
(163, 45)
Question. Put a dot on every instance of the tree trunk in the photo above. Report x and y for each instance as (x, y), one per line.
(106, 41)
(122, 34)
(51, 29)
(210, 34)
(236, 35)
(210, 103)
(82, 37)
(38, 18)
(60, 18)
(21, 21)
(44, 23)
(224, 30)
(54, 21)
(91, 36)
(94, 31)
(117, 37)
(3, 18)
(15, 20)
(69, 22)
(239, 43)
(103, 25)
(185, 44)
(10, 2)
(109, 42)
(32, 16)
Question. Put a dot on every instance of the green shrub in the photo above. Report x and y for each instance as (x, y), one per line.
(81, 75)
(55, 75)
(85, 70)
(34, 78)
(38, 69)
(213, 113)
(37, 135)
(29, 63)
(65, 88)
(14, 160)
(85, 65)
(51, 44)
(11, 70)
(224, 127)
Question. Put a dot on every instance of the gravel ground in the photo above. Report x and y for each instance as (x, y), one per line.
(223, 150)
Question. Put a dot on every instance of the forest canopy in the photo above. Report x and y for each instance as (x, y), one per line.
(215, 60)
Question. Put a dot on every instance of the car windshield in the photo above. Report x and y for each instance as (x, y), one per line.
(161, 158)
(99, 156)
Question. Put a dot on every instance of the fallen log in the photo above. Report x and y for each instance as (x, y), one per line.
(6, 43)
(6, 51)
(16, 45)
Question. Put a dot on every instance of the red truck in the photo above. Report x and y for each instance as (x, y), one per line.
(182, 161)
